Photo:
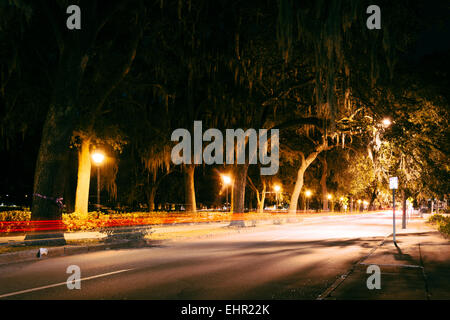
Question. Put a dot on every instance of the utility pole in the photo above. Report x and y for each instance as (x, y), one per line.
(98, 188)
(393, 214)
(393, 184)
(404, 210)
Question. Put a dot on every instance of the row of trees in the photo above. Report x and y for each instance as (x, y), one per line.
(137, 71)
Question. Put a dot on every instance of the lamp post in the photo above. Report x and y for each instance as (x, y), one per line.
(393, 185)
(226, 179)
(307, 194)
(277, 189)
(98, 158)
(330, 198)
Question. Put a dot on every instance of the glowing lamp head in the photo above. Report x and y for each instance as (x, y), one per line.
(308, 193)
(359, 201)
(277, 188)
(387, 122)
(98, 157)
(329, 196)
(226, 179)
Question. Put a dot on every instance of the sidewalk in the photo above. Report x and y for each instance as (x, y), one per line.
(418, 268)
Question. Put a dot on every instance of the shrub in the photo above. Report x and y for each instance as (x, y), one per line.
(15, 215)
(444, 227)
(442, 222)
(436, 218)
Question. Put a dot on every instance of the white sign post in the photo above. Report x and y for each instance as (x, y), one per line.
(393, 184)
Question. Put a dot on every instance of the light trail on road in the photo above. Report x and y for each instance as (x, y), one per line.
(277, 261)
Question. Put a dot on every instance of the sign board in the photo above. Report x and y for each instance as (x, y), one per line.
(393, 183)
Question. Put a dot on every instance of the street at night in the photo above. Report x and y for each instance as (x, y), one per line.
(290, 261)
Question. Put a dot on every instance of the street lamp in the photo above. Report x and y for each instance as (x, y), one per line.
(386, 122)
(226, 179)
(277, 189)
(308, 194)
(98, 158)
(330, 198)
(365, 203)
(359, 205)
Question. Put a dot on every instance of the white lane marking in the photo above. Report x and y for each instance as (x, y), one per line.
(61, 284)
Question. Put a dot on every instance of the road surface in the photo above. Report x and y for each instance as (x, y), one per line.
(290, 261)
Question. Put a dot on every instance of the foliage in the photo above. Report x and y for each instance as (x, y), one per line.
(442, 223)
(16, 215)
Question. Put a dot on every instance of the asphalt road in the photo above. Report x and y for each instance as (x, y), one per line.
(290, 261)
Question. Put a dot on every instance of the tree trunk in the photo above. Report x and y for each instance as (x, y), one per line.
(50, 172)
(71, 181)
(297, 189)
(151, 198)
(189, 188)
(323, 184)
(238, 193)
(300, 174)
(62, 115)
(84, 178)
(51, 163)
(372, 198)
(49, 180)
(262, 199)
(240, 179)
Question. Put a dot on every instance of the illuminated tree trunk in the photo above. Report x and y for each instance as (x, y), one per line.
(297, 189)
(189, 188)
(151, 198)
(262, 199)
(260, 196)
(84, 178)
(300, 177)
